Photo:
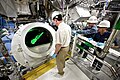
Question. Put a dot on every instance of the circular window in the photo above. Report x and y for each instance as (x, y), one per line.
(38, 40)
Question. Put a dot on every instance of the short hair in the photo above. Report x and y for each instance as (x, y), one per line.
(58, 17)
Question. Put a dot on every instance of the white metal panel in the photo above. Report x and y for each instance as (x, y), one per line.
(21, 51)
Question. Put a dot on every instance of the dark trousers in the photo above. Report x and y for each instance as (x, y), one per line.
(81, 51)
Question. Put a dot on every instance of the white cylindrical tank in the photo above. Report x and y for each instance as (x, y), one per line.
(32, 42)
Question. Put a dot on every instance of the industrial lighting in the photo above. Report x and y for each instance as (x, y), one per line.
(33, 41)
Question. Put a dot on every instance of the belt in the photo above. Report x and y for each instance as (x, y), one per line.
(64, 47)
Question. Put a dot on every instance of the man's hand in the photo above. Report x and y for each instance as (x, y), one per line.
(90, 39)
(54, 55)
(100, 44)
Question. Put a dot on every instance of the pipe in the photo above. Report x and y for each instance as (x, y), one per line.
(73, 46)
(66, 16)
(103, 62)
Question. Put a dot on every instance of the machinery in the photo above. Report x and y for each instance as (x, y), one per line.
(32, 43)
(7, 64)
(111, 62)
(34, 38)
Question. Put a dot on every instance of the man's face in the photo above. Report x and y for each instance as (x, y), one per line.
(91, 24)
(101, 29)
(56, 22)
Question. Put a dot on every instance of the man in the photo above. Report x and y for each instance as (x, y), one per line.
(101, 37)
(91, 28)
(103, 34)
(88, 32)
(63, 37)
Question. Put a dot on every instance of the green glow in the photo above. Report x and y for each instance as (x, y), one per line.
(89, 44)
(33, 41)
(30, 30)
(117, 25)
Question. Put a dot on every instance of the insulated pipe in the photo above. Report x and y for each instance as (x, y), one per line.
(73, 46)
(66, 16)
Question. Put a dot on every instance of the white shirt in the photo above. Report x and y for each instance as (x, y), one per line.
(63, 34)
